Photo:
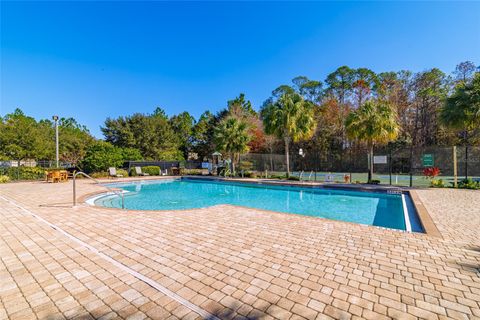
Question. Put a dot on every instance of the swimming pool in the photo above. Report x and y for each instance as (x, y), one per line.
(372, 208)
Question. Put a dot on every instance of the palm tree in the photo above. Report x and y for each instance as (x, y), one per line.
(232, 136)
(373, 122)
(290, 118)
(462, 111)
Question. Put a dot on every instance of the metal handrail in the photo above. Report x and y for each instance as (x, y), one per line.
(86, 175)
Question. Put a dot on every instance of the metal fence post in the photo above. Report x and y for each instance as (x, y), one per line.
(390, 167)
(455, 179)
(74, 190)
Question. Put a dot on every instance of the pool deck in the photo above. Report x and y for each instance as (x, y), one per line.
(59, 262)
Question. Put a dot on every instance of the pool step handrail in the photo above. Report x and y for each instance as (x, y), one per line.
(114, 191)
(310, 175)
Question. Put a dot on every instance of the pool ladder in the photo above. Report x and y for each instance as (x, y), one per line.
(114, 191)
(309, 176)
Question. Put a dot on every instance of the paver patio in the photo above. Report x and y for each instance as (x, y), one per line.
(231, 262)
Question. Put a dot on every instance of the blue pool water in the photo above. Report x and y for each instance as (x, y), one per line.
(378, 209)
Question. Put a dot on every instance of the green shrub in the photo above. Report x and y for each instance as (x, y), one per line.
(193, 172)
(151, 170)
(100, 174)
(248, 174)
(245, 165)
(278, 176)
(469, 184)
(102, 155)
(294, 178)
(374, 181)
(122, 172)
(4, 179)
(437, 183)
(25, 173)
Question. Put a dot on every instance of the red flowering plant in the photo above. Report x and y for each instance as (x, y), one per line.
(431, 173)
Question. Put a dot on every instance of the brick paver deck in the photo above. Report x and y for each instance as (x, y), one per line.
(231, 262)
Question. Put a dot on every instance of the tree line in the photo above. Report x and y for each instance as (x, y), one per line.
(347, 111)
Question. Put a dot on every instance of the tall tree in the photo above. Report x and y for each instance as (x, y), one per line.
(241, 107)
(340, 83)
(374, 122)
(364, 81)
(340, 87)
(464, 72)
(462, 111)
(151, 134)
(183, 124)
(430, 91)
(74, 139)
(291, 119)
(311, 90)
(22, 137)
(202, 136)
(232, 136)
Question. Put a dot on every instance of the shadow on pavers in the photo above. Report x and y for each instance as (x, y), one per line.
(234, 312)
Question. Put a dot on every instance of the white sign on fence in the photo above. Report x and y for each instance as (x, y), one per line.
(380, 159)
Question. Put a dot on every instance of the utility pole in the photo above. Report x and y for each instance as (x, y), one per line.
(55, 118)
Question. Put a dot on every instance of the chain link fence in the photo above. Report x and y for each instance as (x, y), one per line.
(403, 166)
(354, 164)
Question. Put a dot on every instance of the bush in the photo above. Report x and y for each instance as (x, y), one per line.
(151, 170)
(4, 179)
(437, 183)
(374, 181)
(249, 174)
(469, 184)
(102, 155)
(294, 178)
(431, 173)
(193, 172)
(25, 173)
(101, 174)
(278, 176)
(122, 172)
(245, 165)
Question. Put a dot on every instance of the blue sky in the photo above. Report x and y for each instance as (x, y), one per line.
(90, 60)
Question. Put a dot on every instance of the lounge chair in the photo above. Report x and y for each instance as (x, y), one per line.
(112, 172)
(139, 172)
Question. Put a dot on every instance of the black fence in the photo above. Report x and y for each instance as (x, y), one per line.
(164, 165)
(396, 166)
(400, 166)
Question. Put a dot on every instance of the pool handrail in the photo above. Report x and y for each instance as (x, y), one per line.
(116, 192)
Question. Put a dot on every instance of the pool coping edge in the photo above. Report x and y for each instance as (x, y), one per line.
(426, 220)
